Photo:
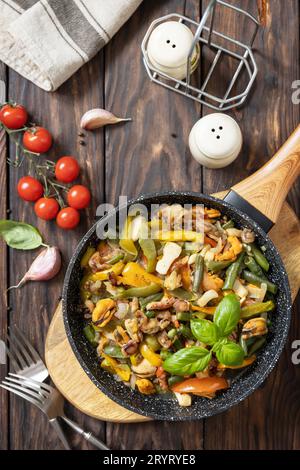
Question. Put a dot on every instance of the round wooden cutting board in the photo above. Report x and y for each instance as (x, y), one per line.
(79, 390)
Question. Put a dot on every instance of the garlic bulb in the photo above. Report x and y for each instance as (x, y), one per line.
(96, 118)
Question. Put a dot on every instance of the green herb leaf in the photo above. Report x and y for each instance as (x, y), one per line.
(20, 235)
(205, 331)
(227, 314)
(187, 361)
(230, 354)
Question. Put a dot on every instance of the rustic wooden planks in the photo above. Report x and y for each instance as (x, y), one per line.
(3, 275)
(270, 418)
(33, 306)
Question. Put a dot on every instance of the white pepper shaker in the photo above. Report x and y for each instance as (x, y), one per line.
(215, 140)
(168, 49)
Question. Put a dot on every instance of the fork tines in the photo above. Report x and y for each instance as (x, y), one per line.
(29, 389)
(20, 351)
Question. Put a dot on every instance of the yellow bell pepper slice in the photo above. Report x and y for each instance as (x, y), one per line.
(152, 357)
(247, 362)
(125, 242)
(123, 370)
(135, 275)
(206, 310)
(180, 235)
(104, 275)
(86, 257)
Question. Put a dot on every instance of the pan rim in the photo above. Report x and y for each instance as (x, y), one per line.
(248, 390)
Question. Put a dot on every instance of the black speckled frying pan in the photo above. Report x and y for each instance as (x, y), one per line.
(254, 203)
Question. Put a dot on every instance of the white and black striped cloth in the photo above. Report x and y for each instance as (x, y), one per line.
(46, 41)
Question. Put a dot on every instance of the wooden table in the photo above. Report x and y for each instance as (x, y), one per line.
(147, 155)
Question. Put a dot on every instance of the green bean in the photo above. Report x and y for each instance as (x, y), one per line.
(151, 298)
(257, 309)
(257, 281)
(229, 224)
(256, 346)
(182, 294)
(217, 266)
(150, 313)
(116, 259)
(243, 345)
(114, 351)
(172, 333)
(260, 258)
(232, 272)
(198, 274)
(185, 331)
(183, 316)
(174, 379)
(90, 335)
(252, 265)
(140, 291)
(149, 250)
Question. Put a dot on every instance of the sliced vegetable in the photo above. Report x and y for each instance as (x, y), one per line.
(151, 356)
(182, 294)
(256, 280)
(171, 252)
(198, 273)
(122, 370)
(260, 258)
(206, 387)
(90, 335)
(179, 235)
(86, 257)
(134, 275)
(257, 309)
(232, 272)
(252, 265)
(151, 298)
(114, 351)
(139, 291)
(149, 250)
(126, 243)
(217, 266)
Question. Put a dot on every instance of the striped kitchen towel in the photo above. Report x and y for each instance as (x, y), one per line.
(46, 41)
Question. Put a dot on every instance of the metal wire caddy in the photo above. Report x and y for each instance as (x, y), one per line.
(208, 35)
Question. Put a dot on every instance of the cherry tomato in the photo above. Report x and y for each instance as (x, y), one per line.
(67, 169)
(68, 218)
(37, 139)
(79, 197)
(46, 208)
(13, 116)
(30, 189)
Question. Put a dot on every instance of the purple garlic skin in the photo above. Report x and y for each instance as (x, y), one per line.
(45, 266)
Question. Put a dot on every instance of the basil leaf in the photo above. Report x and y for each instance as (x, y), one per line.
(227, 314)
(187, 361)
(205, 331)
(230, 354)
(20, 235)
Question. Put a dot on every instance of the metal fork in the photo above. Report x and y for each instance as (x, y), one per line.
(47, 399)
(27, 363)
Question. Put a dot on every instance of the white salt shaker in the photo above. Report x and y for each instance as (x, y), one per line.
(215, 140)
(168, 49)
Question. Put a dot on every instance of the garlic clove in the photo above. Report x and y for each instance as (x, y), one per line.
(95, 118)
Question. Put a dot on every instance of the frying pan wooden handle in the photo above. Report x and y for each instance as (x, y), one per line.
(267, 188)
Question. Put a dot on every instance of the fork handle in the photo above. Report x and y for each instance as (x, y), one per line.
(57, 426)
(88, 436)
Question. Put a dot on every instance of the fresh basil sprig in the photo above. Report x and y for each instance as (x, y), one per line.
(20, 235)
(216, 333)
(188, 361)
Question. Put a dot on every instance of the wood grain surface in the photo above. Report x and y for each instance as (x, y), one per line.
(151, 153)
(79, 390)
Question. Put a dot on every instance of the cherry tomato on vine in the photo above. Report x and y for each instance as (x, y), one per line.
(67, 169)
(46, 208)
(13, 116)
(79, 197)
(37, 140)
(68, 218)
(30, 189)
